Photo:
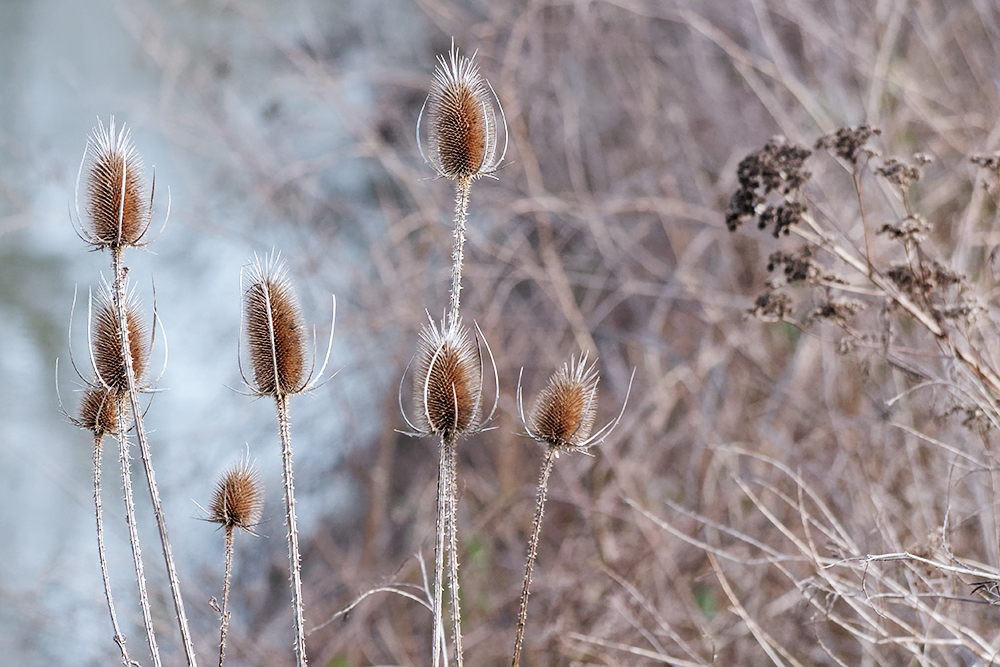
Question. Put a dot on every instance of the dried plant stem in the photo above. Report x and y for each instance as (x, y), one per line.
(536, 530)
(99, 512)
(443, 512)
(225, 596)
(154, 494)
(294, 564)
(448, 453)
(462, 187)
(133, 532)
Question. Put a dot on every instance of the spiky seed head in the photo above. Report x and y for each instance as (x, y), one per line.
(462, 124)
(276, 333)
(238, 499)
(109, 362)
(565, 410)
(98, 412)
(117, 206)
(448, 381)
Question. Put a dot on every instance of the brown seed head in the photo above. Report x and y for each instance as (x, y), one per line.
(565, 410)
(448, 381)
(238, 499)
(116, 200)
(98, 412)
(275, 330)
(462, 124)
(109, 362)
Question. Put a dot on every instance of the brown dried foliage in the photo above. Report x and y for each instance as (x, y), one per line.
(275, 332)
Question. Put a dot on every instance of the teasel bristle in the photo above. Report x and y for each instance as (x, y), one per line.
(566, 409)
(238, 499)
(117, 205)
(109, 363)
(462, 126)
(447, 381)
(98, 412)
(275, 330)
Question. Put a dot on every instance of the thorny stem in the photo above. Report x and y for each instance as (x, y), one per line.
(462, 187)
(449, 454)
(536, 530)
(294, 564)
(147, 462)
(133, 532)
(443, 507)
(98, 510)
(225, 596)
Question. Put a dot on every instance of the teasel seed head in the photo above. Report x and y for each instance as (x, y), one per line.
(275, 331)
(238, 500)
(117, 207)
(565, 410)
(447, 381)
(462, 128)
(109, 362)
(98, 412)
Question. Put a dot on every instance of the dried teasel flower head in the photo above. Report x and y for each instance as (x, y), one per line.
(98, 412)
(238, 499)
(275, 331)
(447, 381)
(462, 128)
(106, 343)
(566, 409)
(117, 209)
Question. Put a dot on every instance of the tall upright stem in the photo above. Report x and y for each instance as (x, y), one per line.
(443, 507)
(99, 512)
(294, 565)
(133, 531)
(448, 453)
(147, 461)
(225, 596)
(536, 529)
(462, 187)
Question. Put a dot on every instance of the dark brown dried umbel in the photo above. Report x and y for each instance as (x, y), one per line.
(276, 334)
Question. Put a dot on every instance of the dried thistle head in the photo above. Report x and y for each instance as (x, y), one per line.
(276, 333)
(238, 499)
(447, 381)
(98, 412)
(566, 409)
(462, 127)
(109, 361)
(117, 207)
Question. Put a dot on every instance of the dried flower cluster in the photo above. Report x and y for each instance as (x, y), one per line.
(564, 412)
(448, 381)
(109, 362)
(276, 334)
(238, 499)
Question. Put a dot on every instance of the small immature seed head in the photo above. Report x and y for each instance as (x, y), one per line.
(238, 499)
(117, 207)
(448, 381)
(98, 412)
(275, 330)
(565, 410)
(109, 362)
(462, 124)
